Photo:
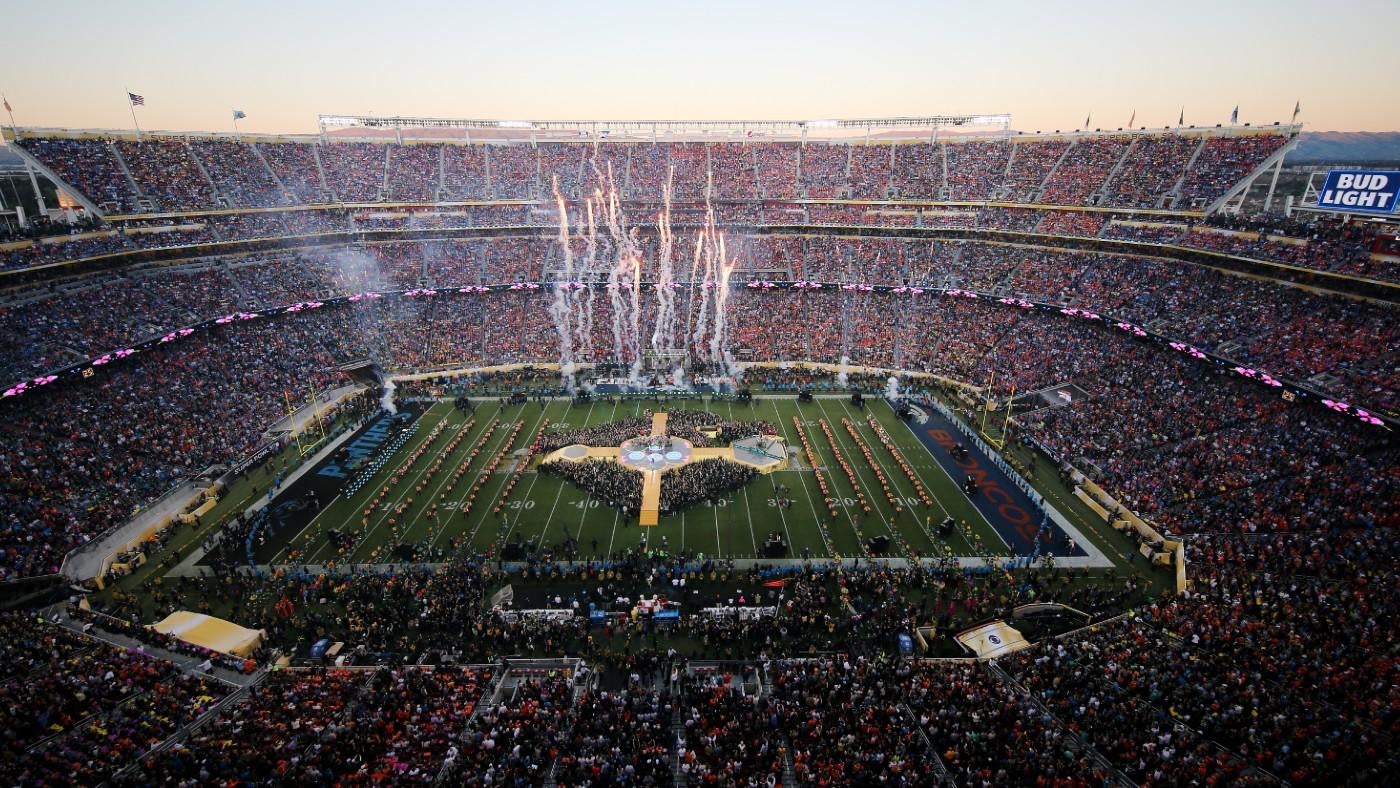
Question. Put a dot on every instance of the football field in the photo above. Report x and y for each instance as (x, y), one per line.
(464, 479)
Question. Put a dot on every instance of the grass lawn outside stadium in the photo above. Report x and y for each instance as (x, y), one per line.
(543, 511)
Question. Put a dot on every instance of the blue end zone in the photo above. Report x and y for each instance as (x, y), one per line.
(1009, 510)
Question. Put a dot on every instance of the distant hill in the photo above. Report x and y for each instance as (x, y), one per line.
(1349, 147)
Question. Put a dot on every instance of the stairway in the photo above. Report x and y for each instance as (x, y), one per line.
(384, 181)
(488, 189)
(442, 174)
(1174, 195)
(1068, 737)
(213, 187)
(943, 181)
(935, 759)
(1001, 192)
(287, 197)
(1041, 188)
(326, 195)
(677, 735)
(797, 178)
(1098, 194)
(141, 198)
(757, 181)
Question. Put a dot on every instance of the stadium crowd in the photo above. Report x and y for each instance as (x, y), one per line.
(1277, 664)
(1274, 666)
(193, 173)
(1288, 332)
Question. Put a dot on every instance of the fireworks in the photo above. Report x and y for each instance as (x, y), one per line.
(612, 257)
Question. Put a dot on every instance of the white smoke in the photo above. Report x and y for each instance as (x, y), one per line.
(663, 335)
(735, 370)
(386, 400)
(356, 271)
(892, 388)
(842, 371)
(563, 308)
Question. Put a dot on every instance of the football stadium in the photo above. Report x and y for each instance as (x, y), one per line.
(908, 450)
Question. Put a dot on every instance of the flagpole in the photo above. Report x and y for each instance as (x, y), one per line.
(15, 128)
(132, 106)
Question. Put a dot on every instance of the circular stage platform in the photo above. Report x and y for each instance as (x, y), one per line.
(654, 453)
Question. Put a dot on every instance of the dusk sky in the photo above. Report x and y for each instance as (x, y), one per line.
(1047, 63)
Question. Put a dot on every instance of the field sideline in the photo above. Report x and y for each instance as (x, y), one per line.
(543, 510)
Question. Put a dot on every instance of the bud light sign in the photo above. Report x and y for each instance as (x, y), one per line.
(1359, 191)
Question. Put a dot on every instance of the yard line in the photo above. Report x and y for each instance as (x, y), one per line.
(926, 485)
(816, 517)
(530, 433)
(445, 521)
(545, 528)
(444, 480)
(407, 486)
(504, 446)
(782, 516)
(895, 484)
(588, 494)
(562, 484)
(497, 443)
(583, 518)
(617, 516)
(290, 543)
(388, 471)
(837, 430)
(841, 499)
(747, 503)
(990, 527)
(719, 543)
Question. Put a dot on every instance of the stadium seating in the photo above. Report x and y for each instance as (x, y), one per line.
(189, 173)
(1275, 666)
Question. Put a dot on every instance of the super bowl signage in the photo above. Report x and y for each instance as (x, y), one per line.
(1359, 191)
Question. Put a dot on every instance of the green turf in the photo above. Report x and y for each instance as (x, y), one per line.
(543, 509)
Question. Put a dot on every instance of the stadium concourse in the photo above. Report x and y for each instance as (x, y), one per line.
(1087, 314)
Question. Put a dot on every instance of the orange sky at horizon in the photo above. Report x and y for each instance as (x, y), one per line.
(1049, 65)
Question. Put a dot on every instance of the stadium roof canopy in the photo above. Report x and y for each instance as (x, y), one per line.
(884, 128)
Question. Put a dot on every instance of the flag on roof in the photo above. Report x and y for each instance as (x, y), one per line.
(239, 114)
(7, 108)
(1298, 107)
(1235, 116)
(136, 101)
